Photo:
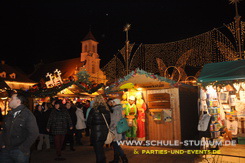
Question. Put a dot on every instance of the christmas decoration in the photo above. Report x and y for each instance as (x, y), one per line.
(212, 46)
(54, 79)
(140, 72)
(82, 82)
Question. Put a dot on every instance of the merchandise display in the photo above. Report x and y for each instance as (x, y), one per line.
(226, 106)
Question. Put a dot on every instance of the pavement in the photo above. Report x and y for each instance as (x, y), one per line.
(228, 154)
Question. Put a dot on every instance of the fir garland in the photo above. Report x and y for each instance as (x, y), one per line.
(82, 78)
(140, 72)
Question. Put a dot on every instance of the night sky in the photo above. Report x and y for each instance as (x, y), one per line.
(51, 31)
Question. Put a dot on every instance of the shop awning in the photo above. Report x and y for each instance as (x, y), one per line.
(139, 77)
(223, 71)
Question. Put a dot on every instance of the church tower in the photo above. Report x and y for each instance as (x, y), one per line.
(91, 60)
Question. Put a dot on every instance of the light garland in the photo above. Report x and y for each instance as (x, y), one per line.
(210, 47)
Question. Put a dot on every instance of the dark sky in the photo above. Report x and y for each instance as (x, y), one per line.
(52, 30)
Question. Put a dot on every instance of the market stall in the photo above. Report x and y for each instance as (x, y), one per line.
(159, 108)
(222, 98)
(3, 101)
(77, 88)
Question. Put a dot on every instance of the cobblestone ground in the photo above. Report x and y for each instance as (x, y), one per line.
(138, 154)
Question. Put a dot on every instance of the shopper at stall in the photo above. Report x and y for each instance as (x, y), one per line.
(89, 109)
(58, 124)
(110, 105)
(46, 113)
(20, 131)
(40, 117)
(80, 123)
(87, 114)
(98, 126)
(109, 102)
(86, 106)
(116, 116)
(69, 137)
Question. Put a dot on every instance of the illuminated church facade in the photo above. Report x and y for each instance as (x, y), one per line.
(89, 61)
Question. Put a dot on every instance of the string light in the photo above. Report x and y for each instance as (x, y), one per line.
(212, 46)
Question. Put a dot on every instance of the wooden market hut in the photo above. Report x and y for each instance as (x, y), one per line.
(175, 104)
(79, 87)
(223, 72)
(230, 74)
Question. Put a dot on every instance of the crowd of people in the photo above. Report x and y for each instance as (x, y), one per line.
(60, 123)
(63, 121)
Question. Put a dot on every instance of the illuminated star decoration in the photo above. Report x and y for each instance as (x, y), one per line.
(126, 27)
(234, 1)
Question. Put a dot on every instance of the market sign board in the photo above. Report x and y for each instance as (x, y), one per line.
(159, 97)
(160, 105)
(162, 85)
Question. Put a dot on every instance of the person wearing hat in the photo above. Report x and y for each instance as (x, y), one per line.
(131, 113)
(116, 116)
(58, 123)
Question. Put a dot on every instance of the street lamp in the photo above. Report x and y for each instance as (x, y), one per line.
(126, 29)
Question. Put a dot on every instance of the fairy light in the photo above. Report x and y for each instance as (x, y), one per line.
(210, 47)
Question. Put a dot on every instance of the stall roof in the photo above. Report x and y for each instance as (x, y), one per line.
(3, 84)
(139, 77)
(223, 71)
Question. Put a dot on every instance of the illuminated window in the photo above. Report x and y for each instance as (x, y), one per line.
(12, 76)
(3, 74)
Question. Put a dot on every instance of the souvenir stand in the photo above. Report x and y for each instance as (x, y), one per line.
(163, 109)
(222, 99)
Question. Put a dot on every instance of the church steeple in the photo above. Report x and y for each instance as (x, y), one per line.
(89, 43)
(89, 36)
(90, 58)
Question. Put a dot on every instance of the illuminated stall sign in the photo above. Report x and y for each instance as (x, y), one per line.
(154, 105)
(159, 97)
(162, 85)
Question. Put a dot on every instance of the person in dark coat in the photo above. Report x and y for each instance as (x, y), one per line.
(1, 118)
(47, 109)
(98, 126)
(58, 123)
(20, 131)
(85, 109)
(69, 135)
(42, 123)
